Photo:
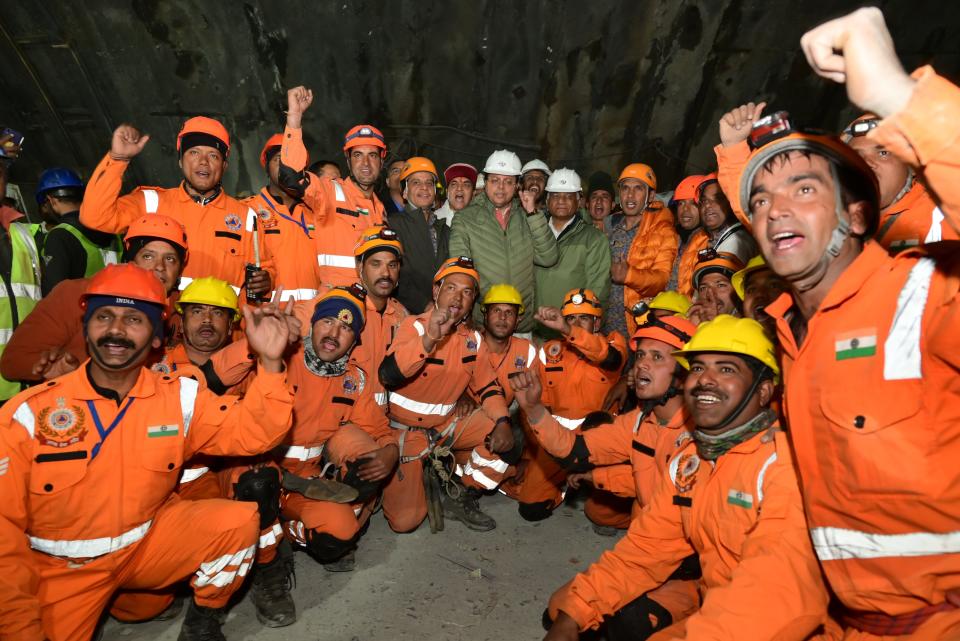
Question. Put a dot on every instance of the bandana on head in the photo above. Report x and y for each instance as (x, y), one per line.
(200, 139)
(153, 312)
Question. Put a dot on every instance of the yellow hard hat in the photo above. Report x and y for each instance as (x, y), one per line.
(505, 294)
(754, 265)
(581, 301)
(729, 335)
(210, 291)
(671, 301)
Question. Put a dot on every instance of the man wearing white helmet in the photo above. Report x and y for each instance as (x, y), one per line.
(584, 251)
(533, 177)
(505, 237)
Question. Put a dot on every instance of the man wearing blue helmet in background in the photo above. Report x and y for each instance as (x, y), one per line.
(70, 250)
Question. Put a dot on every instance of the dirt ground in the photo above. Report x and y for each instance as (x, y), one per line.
(455, 585)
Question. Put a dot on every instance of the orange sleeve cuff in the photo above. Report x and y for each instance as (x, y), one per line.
(292, 152)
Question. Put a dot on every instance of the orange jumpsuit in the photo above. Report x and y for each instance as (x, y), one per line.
(519, 355)
(341, 212)
(577, 373)
(85, 515)
(219, 233)
(647, 445)
(289, 237)
(375, 339)
(424, 390)
(688, 262)
(872, 397)
(743, 515)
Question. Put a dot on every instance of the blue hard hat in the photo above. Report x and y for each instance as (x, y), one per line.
(57, 178)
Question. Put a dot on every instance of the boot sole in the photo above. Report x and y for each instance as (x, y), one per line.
(470, 526)
(269, 623)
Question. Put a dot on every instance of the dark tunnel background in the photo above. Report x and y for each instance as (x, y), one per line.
(587, 85)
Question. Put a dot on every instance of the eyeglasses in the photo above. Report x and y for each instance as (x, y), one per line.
(861, 127)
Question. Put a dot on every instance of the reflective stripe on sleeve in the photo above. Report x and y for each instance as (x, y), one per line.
(836, 544)
(188, 401)
(334, 260)
(151, 201)
(568, 423)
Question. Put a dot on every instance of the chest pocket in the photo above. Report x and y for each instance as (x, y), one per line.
(55, 471)
(162, 454)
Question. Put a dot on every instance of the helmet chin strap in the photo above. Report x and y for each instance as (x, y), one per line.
(674, 389)
(907, 186)
(838, 236)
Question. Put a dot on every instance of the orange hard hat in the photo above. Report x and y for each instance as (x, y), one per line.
(643, 173)
(365, 135)
(712, 261)
(129, 282)
(204, 131)
(581, 301)
(675, 331)
(273, 142)
(418, 163)
(705, 181)
(688, 188)
(458, 265)
(157, 226)
(379, 238)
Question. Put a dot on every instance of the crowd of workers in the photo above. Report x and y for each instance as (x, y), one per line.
(754, 375)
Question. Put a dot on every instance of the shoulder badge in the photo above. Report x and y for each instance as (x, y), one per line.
(162, 367)
(61, 426)
(687, 468)
(267, 219)
(471, 344)
(519, 363)
(232, 221)
(553, 351)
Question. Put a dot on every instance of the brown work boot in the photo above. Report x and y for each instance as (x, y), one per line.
(466, 509)
(202, 624)
(270, 590)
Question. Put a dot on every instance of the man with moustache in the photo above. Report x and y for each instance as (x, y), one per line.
(729, 494)
(724, 231)
(91, 460)
(600, 201)
(425, 237)
(218, 226)
(502, 308)
(533, 178)
(646, 437)
(342, 208)
(461, 179)
(433, 360)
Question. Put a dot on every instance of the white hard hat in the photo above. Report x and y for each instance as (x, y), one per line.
(534, 165)
(503, 162)
(564, 181)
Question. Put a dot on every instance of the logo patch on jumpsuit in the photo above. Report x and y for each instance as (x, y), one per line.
(519, 363)
(687, 472)
(742, 499)
(232, 221)
(471, 345)
(267, 220)
(63, 426)
(349, 385)
(856, 344)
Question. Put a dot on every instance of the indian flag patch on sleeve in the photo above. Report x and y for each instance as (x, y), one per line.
(856, 344)
(736, 497)
(157, 431)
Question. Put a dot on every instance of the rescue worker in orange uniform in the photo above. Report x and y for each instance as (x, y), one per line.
(219, 227)
(908, 215)
(50, 341)
(627, 455)
(433, 360)
(729, 494)
(337, 421)
(113, 434)
(643, 246)
(869, 342)
(342, 209)
(379, 255)
(691, 235)
(578, 371)
(502, 307)
(287, 228)
(757, 286)
(712, 280)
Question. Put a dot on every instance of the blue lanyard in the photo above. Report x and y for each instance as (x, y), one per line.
(302, 223)
(105, 433)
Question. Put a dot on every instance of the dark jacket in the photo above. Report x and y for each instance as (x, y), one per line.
(64, 255)
(420, 262)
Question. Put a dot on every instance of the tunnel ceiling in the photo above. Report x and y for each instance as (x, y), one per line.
(588, 85)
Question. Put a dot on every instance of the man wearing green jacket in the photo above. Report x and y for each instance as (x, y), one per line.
(504, 237)
(584, 251)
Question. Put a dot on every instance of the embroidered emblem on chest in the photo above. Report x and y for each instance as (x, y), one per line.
(232, 221)
(61, 426)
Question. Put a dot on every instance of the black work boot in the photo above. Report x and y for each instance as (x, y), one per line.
(466, 509)
(345, 563)
(173, 610)
(202, 624)
(271, 587)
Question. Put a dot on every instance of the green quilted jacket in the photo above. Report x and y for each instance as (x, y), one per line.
(504, 256)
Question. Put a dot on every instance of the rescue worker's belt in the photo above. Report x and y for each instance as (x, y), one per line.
(434, 437)
(882, 624)
(433, 409)
(90, 548)
(303, 453)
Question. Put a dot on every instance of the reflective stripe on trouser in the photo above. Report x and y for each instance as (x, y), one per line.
(217, 554)
(404, 501)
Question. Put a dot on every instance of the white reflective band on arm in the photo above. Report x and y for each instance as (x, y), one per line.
(901, 350)
(762, 474)
(836, 544)
(339, 192)
(295, 294)
(303, 453)
(417, 325)
(5, 336)
(569, 423)
(333, 260)
(24, 416)
(151, 201)
(494, 464)
(188, 399)
(434, 409)
(935, 233)
(192, 474)
(531, 355)
(382, 398)
(213, 573)
(89, 548)
(271, 536)
(251, 221)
